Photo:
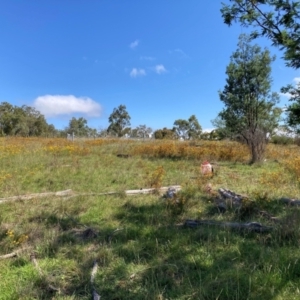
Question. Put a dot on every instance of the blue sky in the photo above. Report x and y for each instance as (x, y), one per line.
(164, 60)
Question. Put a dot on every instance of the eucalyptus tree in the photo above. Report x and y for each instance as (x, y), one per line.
(278, 20)
(188, 129)
(142, 131)
(78, 126)
(293, 110)
(119, 121)
(250, 111)
(23, 121)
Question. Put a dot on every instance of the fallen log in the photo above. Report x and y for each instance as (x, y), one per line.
(291, 202)
(252, 226)
(70, 194)
(131, 192)
(38, 195)
(231, 198)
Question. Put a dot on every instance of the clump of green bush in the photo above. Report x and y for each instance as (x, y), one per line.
(282, 140)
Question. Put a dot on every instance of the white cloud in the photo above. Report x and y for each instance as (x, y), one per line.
(137, 73)
(134, 44)
(56, 105)
(287, 95)
(208, 130)
(297, 80)
(159, 69)
(179, 53)
(147, 58)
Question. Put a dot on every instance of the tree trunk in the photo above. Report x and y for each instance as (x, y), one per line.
(256, 142)
(257, 149)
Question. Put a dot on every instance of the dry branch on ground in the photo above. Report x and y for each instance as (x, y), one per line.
(69, 194)
(37, 267)
(13, 254)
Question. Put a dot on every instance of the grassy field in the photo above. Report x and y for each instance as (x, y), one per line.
(136, 241)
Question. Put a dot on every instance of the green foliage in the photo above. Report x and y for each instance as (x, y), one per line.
(181, 127)
(195, 128)
(119, 121)
(250, 110)
(142, 131)
(79, 127)
(277, 20)
(221, 130)
(188, 129)
(141, 248)
(293, 110)
(164, 134)
(282, 140)
(22, 121)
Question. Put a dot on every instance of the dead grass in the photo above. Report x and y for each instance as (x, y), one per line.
(141, 251)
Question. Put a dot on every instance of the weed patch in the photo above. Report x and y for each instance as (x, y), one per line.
(141, 249)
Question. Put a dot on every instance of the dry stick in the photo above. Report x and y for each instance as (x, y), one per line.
(268, 216)
(149, 191)
(70, 194)
(36, 265)
(95, 295)
(13, 254)
(95, 234)
(109, 238)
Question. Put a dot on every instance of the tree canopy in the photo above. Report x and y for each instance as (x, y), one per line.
(79, 127)
(188, 129)
(293, 110)
(165, 134)
(250, 110)
(119, 121)
(141, 131)
(22, 121)
(278, 20)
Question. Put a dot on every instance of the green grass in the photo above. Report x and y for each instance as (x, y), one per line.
(141, 251)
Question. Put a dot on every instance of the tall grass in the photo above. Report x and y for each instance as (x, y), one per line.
(141, 251)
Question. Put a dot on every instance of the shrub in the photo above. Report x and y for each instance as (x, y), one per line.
(282, 140)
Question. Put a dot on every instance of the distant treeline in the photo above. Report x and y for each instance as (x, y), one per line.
(23, 121)
(26, 121)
